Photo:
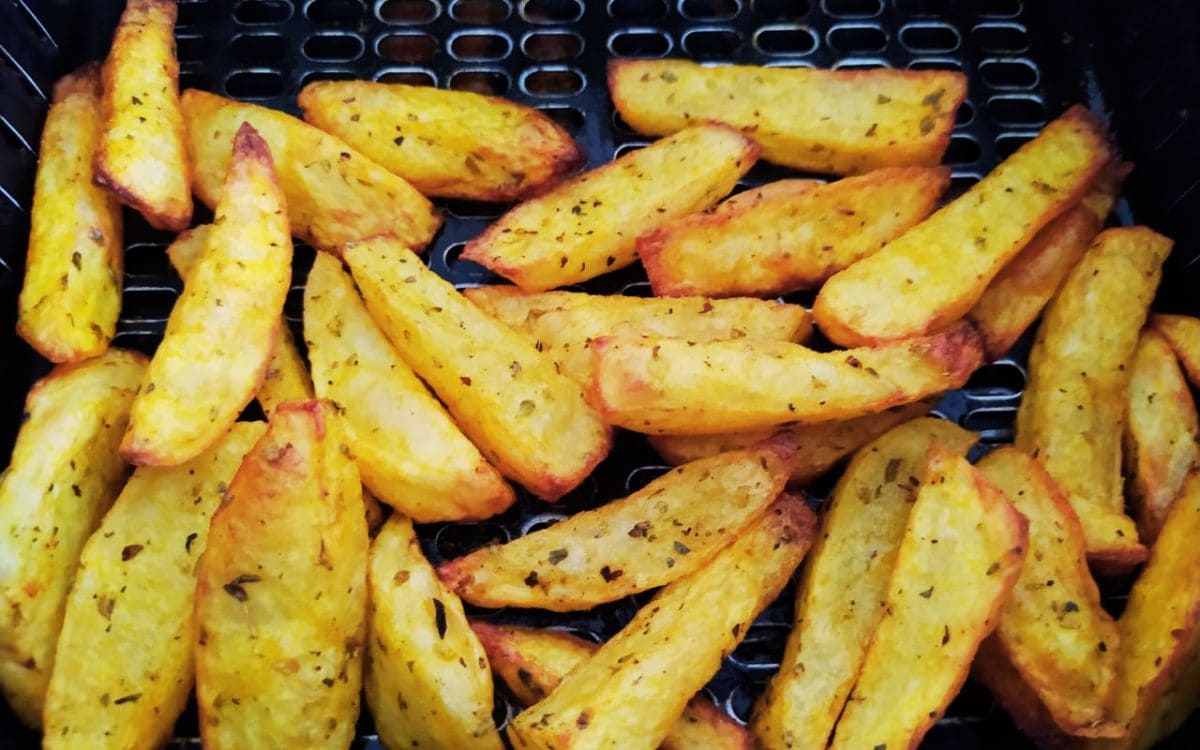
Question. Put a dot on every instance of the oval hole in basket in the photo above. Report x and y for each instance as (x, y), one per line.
(553, 82)
(1009, 74)
(1000, 8)
(259, 49)
(963, 149)
(335, 12)
(853, 8)
(254, 84)
(569, 118)
(740, 702)
(626, 148)
(1000, 37)
(481, 46)
(466, 271)
(551, 11)
(150, 303)
(621, 126)
(412, 77)
(541, 521)
(147, 260)
(256, 11)
(1016, 111)
(637, 10)
(333, 47)
(456, 540)
(786, 40)
(408, 11)
(639, 43)
(709, 10)
(782, 10)
(965, 113)
(642, 476)
(190, 48)
(1008, 143)
(490, 82)
(194, 79)
(480, 11)
(502, 711)
(935, 63)
(857, 38)
(923, 7)
(637, 289)
(762, 648)
(860, 63)
(998, 378)
(137, 338)
(930, 37)
(710, 43)
(465, 209)
(548, 46)
(409, 47)
(327, 75)
(990, 419)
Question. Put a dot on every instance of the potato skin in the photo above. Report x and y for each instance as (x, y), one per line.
(1183, 334)
(71, 297)
(64, 474)
(451, 144)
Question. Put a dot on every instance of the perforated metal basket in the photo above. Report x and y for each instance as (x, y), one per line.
(1026, 61)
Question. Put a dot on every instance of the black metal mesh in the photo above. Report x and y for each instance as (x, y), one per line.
(550, 54)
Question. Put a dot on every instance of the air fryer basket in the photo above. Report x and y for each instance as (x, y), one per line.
(1026, 61)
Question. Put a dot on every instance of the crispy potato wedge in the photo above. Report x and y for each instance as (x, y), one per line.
(533, 662)
(788, 235)
(817, 448)
(564, 324)
(1160, 632)
(840, 122)
(452, 144)
(845, 578)
(123, 667)
(223, 328)
(1160, 435)
(281, 595)
(934, 273)
(589, 224)
(71, 296)
(663, 386)
(287, 377)
(1052, 628)
(334, 194)
(679, 638)
(1022, 288)
(530, 421)
(993, 669)
(1183, 334)
(958, 561)
(1072, 413)
(142, 156)
(409, 451)
(63, 476)
(670, 528)
(427, 678)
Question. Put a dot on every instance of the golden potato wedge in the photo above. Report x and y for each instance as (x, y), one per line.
(840, 122)
(142, 156)
(1160, 632)
(934, 273)
(281, 593)
(960, 556)
(1160, 435)
(1052, 628)
(788, 235)
(1016, 296)
(1072, 413)
(662, 386)
(817, 448)
(71, 296)
(564, 324)
(452, 144)
(427, 679)
(1183, 334)
(334, 194)
(64, 474)
(409, 451)
(123, 668)
(530, 421)
(845, 578)
(678, 638)
(993, 669)
(219, 338)
(589, 224)
(533, 662)
(287, 377)
(670, 528)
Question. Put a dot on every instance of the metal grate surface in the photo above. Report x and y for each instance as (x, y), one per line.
(549, 54)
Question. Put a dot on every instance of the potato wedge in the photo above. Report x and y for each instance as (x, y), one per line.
(71, 296)
(409, 451)
(670, 528)
(1052, 628)
(219, 338)
(1160, 436)
(817, 448)
(788, 235)
(958, 561)
(662, 386)
(1183, 334)
(63, 476)
(993, 669)
(934, 273)
(281, 593)
(845, 578)
(452, 144)
(564, 324)
(1072, 413)
(287, 377)
(334, 194)
(1160, 632)
(533, 662)
(427, 678)
(142, 156)
(123, 668)
(1018, 293)
(679, 638)
(530, 421)
(589, 224)
(840, 122)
